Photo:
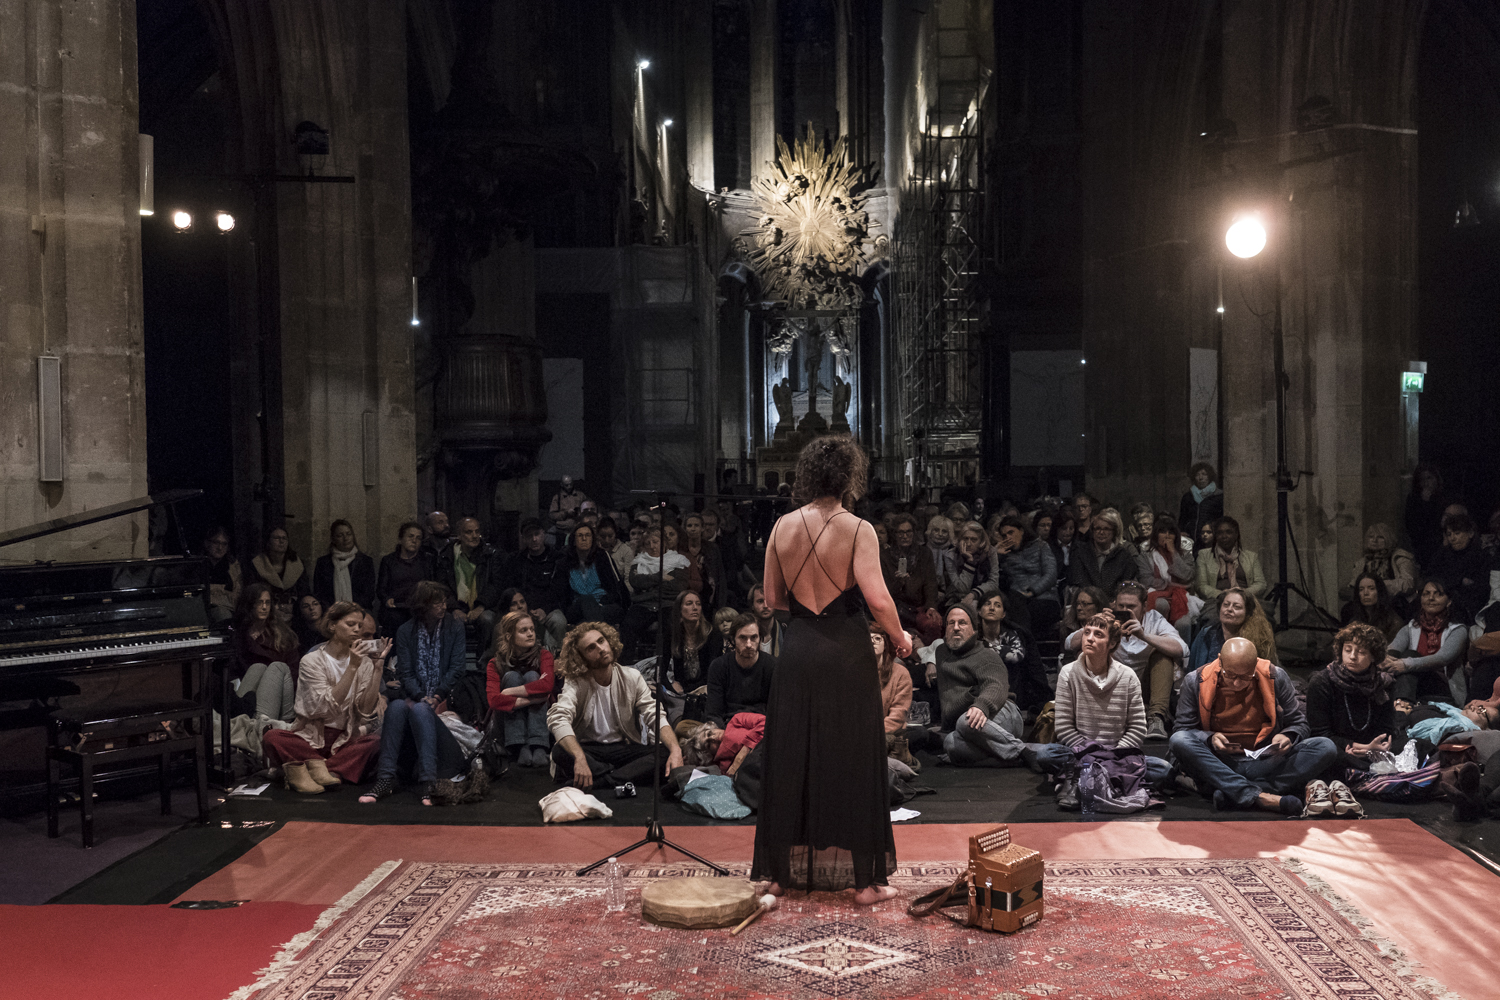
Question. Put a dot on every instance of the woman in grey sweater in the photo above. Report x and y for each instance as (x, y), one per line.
(1032, 569)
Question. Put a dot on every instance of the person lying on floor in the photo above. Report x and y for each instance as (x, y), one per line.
(1239, 704)
(519, 685)
(981, 725)
(1437, 721)
(1350, 703)
(598, 716)
(338, 708)
(429, 661)
(1098, 698)
(725, 747)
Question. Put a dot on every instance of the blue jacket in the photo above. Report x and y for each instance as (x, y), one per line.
(451, 650)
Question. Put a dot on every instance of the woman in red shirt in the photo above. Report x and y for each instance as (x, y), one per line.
(520, 684)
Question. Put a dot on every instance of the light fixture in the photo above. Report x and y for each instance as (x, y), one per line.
(182, 221)
(146, 146)
(224, 221)
(1247, 237)
(415, 319)
(643, 64)
(1220, 309)
(667, 123)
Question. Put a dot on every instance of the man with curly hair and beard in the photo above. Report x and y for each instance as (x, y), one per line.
(599, 718)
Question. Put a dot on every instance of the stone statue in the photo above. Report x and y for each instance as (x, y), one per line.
(781, 395)
(843, 392)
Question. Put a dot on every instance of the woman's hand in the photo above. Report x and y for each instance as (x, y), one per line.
(381, 651)
(1381, 742)
(677, 687)
(903, 645)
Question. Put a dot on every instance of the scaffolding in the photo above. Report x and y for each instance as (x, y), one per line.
(939, 310)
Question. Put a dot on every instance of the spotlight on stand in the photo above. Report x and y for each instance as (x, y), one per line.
(1246, 237)
(416, 320)
(224, 221)
(182, 221)
(643, 64)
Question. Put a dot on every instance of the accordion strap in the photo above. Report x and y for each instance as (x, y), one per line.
(934, 901)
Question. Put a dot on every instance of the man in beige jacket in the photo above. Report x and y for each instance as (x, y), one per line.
(602, 713)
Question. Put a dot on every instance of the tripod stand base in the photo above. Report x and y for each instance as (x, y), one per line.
(654, 835)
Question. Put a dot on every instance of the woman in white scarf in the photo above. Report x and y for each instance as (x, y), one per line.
(345, 573)
(650, 589)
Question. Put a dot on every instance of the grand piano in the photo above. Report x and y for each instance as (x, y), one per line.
(64, 624)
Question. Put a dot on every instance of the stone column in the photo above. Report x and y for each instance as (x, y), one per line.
(70, 238)
(763, 34)
(698, 83)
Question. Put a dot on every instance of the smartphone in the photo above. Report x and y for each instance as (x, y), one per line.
(367, 647)
(901, 565)
(1233, 748)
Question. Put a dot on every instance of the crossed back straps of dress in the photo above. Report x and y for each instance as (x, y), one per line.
(812, 553)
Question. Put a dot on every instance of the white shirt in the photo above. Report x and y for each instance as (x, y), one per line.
(602, 725)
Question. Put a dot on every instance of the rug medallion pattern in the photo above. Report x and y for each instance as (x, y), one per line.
(1114, 930)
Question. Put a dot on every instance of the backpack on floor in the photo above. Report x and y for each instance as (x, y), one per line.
(1399, 786)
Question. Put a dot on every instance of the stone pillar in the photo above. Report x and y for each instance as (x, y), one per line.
(763, 36)
(698, 82)
(71, 283)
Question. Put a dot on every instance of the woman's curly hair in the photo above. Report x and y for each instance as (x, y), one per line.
(1365, 636)
(570, 661)
(832, 466)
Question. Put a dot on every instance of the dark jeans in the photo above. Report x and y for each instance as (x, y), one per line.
(1243, 779)
(403, 718)
(1424, 685)
(612, 763)
(525, 726)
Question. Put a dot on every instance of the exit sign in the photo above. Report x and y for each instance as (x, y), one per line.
(1412, 381)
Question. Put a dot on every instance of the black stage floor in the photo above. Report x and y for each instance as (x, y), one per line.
(172, 864)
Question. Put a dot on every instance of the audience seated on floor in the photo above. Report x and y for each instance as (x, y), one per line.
(598, 715)
(1235, 612)
(1148, 645)
(621, 554)
(587, 582)
(1087, 602)
(563, 510)
(1099, 699)
(520, 686)
(1462, 567)
(1239, 704)
(654, 586)
(1350, 702)
(470, 569)
(940, 542)
(344, 573)
(693, 644)
(1424, 512)
(400, 572)
(1371, 605)
(724, 747)
(1484, 654)
(1138, 523)
(1030, 569)
(533, 571)
(265, 648)
(976, 569)
(437, 535)
(1084, 507)
(1395, 568)
(911, 579)
(724, 620)
(765, 619)
(1102, 558)
(1017, 649)
(739, 680)
(1226, 565)
(277, 566)
(980, 722)
(895, 693)
(1203, 503)
(338, 709)
(380, 652)
(225, 578)
(1166, 571)
(705, 566)
(1064, 533)
(305, 622)
(1427, 656)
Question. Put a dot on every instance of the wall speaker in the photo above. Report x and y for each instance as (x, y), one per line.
(49, 418)
(371, 449)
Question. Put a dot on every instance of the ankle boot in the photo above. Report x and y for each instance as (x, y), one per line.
(297, 778)
(896, 746)
(317, 770)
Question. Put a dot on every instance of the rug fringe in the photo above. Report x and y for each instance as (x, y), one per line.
(287, 956)
(1403, 965)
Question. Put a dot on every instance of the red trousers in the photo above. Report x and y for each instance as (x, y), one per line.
(350, 761)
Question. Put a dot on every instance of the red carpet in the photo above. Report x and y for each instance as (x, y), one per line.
(138, 952)
(1373, 864)
(1133, 930)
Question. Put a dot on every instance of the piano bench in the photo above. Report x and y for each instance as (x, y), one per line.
(88, 735)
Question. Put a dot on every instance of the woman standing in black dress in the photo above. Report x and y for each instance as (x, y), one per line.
(825, 821)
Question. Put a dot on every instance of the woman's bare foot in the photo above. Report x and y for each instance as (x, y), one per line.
(774, 889)
(872, 894)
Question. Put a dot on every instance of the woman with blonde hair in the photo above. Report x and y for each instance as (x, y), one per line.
(519, 685)
(1102, 558)
(977, 569)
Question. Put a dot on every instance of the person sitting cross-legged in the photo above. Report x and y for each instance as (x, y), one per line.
(1098, 698)
(1150, 646)
(598, 715)
(1241, 703)
(519, 685)
(740, 681)
(982, 725)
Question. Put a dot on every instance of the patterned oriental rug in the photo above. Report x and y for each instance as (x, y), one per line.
(1200, 929)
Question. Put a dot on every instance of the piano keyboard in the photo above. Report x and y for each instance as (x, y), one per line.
(110, 651)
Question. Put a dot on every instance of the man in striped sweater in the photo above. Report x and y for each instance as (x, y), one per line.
(1098, 698)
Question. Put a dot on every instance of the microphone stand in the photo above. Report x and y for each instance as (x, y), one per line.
(654, 832)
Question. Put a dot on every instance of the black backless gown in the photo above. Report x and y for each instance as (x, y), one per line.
(825, 819)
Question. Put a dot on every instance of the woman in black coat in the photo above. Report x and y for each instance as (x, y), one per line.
(400, 572)
(1203, 503)
(1350, 701)
(344, 556)
(594, 591)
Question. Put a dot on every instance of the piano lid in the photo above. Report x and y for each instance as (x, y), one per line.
(78, 520)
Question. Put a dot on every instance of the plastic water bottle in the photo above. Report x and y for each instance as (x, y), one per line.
(614, 887)
(1087, 782)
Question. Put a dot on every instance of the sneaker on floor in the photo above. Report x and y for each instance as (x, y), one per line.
(1156, 728)
(1067, 795)
(1344, 802)
(1184, 783)
(1318, 801)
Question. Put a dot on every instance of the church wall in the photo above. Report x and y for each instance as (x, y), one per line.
(71, 284)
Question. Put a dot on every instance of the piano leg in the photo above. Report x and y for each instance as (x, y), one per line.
(201, 756)
(52, 792)
(86, 797)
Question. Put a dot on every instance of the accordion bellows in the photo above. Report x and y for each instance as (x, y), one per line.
(1005, 882)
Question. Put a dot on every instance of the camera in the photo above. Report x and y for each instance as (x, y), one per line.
(625, 791)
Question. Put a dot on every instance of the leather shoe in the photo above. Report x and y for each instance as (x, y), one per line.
(317, 770)
(297, 778)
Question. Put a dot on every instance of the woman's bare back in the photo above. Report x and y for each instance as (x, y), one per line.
(813, 548)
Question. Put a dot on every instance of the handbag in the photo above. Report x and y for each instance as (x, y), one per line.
(1002, 890)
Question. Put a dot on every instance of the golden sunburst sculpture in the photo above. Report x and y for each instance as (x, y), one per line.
(808, 245)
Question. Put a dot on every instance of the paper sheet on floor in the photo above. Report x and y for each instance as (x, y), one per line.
(900, 815)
